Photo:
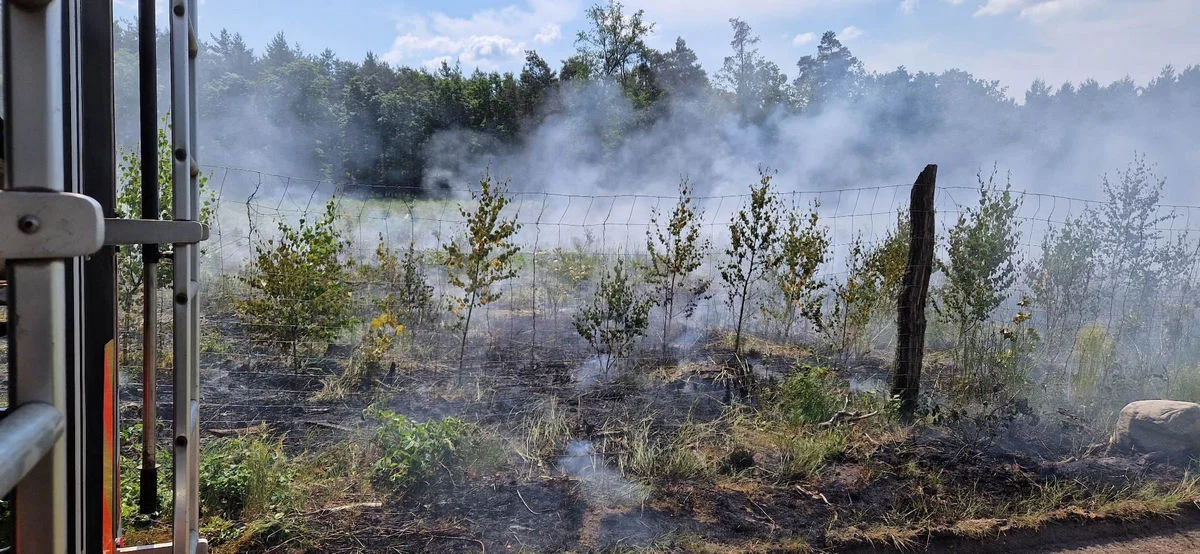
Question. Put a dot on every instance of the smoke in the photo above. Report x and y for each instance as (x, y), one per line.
(602, 486)
(598, 144)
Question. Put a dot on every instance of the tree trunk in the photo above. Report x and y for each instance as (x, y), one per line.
(462, 347)
(737, 337)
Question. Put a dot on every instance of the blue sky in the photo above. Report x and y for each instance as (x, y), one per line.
(1013, 41)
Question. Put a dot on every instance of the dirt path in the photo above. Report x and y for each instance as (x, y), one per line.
(1177, 535)
(1178, 541)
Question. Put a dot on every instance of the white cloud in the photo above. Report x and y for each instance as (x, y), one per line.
(487, 39)
(1038, 11)
(850, 33)
(548, 33)
(1049, 9)
(1133, 39)
(907, 6)
(999, 7)
(721, 10)
(803, 39)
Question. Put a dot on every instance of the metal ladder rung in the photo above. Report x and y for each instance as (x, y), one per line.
(27, 433)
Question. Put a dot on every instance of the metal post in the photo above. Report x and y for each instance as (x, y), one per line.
(101, 509)
(148, 82)
(33, 35)
(185, 285)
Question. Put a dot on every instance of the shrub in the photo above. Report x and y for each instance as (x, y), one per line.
(806, 396)
(370, 355)
(676, 250)
(1061, 280)
(300, 284)
(244, 477)
(867, 298)
(801, 455)
(1095, 357)
(980, 266)
(408, 296)
(1139, 259)
(570, 267)
(804, 246)
(615, 318)
(129, 206)
(483, 256)
(411, 452)
(853, 300)
(752, 253)
(979, 270)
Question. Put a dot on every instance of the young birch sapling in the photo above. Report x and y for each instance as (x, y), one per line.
(483, 256)
(752, 254)
(300, 282)
(616, 317)
(804, 246)
(676, 250)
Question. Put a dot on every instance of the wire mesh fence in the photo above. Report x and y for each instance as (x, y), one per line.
(1038, 303)
(1102, 312)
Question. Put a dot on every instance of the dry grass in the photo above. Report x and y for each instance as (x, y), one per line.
(542, 433)
(970, 515)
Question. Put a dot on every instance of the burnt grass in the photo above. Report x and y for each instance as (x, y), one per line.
(888, 476)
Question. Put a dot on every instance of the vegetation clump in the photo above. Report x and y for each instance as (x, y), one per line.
(615, 318)
(300, 285)
(676, 251)
(752, 254)
(803, 249)
(407, 294)
(411, 453)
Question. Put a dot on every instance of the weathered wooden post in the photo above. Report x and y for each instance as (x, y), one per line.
(910, 321)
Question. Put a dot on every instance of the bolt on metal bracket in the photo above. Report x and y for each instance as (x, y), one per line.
(49, 225)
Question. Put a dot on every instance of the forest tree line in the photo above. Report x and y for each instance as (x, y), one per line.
(293, 111)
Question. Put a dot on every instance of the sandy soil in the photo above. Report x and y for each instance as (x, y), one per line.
(1176, 535)
(1178, 541)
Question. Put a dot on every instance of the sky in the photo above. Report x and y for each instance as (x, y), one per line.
(1013, 41)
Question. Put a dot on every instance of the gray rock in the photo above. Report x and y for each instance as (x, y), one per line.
(1158, 426)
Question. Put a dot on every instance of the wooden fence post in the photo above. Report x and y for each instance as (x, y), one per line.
(910, 321)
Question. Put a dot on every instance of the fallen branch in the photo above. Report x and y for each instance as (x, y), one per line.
(526, 504)
(467, 539)
(241, 431)
(328, 425)
(345, 507)
(816, 495)
(843, 416)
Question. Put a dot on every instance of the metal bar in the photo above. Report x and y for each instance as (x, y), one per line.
(97, 398)
(148, 84)
(194, 278)
(33, 73)
(139, 231)
(148, 471)
(161, 548)
(186, 314)
(26, 435)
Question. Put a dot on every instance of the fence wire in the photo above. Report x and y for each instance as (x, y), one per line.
(527, 334)
(1125, 326)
